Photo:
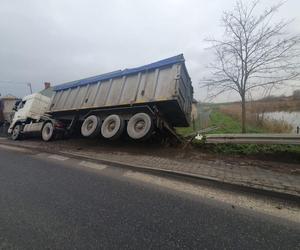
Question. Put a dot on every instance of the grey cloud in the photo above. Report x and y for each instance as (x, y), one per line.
(60, 41)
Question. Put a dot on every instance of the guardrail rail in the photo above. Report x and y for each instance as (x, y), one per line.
(253, 138)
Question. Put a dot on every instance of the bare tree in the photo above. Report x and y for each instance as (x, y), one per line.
(254, 53)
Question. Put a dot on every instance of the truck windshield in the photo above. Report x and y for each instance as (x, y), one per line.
(21, 105)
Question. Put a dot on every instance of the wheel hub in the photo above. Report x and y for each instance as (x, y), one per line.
(111, 126)
(47, 130)
(16, 131)
(89, 125)
(140, 125)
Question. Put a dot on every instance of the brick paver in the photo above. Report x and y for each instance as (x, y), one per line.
(250, 176)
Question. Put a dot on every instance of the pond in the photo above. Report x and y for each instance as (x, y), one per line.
(292, 118)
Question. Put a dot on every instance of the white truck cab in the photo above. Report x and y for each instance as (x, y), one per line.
(30, 115)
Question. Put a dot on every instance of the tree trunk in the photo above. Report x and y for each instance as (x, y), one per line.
(243, 115)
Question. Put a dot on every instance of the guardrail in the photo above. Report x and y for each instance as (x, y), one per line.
(253, 138)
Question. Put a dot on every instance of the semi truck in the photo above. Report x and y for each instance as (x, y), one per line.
(141, 101)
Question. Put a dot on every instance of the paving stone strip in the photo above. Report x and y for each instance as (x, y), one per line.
(249, 176)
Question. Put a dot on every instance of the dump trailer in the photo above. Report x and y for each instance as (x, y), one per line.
(140, 101)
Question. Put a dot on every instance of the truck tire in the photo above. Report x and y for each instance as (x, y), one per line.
(140, 126)
(112, 127)
(47, 131)
(91, 126)
(16, 133)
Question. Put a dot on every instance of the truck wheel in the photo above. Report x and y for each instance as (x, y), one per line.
(112, 127)
(140, 126)
(91, 126)
(47, 131)
(16, 133)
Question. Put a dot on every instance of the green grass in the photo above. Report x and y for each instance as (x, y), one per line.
(188, 130)
(184, 131)
(228, 125)
(279, 153)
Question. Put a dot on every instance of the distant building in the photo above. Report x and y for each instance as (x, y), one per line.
(48, 90)
(7, 103)
(296, 94)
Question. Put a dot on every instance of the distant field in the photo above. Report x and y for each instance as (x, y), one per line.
(258, 113)
(268, 105)
(227, 116)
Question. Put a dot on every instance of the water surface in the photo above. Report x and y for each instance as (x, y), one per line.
(292, 118)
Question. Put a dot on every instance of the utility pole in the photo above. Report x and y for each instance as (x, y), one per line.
(30, 88)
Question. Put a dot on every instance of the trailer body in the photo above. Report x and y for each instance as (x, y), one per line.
(164, 84)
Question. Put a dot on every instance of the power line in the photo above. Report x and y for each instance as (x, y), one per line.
(19, 83)
(13, 82)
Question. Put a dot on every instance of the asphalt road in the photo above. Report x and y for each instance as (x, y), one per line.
(53, 204)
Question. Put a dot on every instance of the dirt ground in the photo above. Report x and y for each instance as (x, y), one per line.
(190, 153)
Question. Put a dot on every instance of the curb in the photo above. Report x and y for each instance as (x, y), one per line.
(189, 176)
(254, 188)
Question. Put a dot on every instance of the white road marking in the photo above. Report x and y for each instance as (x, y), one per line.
(92, 165)
(58, 157)
(41, 155)
(14, 148)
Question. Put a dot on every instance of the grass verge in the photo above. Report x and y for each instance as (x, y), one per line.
(275, 152)
(227, 124)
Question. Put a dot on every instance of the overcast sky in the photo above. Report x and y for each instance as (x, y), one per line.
(65, 40)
